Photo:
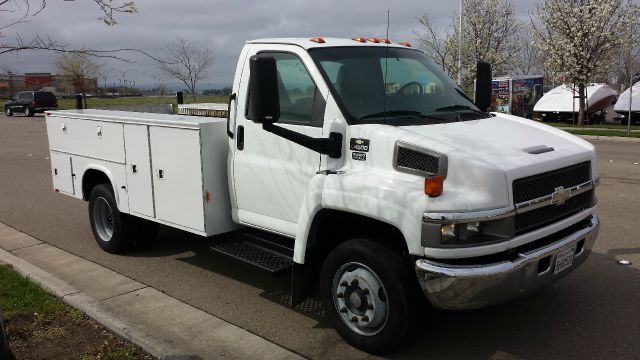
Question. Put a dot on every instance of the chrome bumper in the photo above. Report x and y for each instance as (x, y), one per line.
(461, 287)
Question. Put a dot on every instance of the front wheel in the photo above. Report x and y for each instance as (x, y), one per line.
(370, 294)
(7, 110)
(28, 111)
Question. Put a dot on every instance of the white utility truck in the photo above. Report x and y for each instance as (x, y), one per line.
(358, 165)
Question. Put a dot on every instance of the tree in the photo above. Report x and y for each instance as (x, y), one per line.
(18, 12)
(528, 60)
(581, 39)
(628, 58)
(489, 34)
(186, 61)
(75, 70)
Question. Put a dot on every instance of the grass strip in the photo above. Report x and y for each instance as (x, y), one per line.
(21, 296)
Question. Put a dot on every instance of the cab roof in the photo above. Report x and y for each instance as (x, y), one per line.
(307, 43)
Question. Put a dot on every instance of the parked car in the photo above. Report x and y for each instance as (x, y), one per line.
(31, 102)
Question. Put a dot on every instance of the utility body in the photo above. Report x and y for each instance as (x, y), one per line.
(358, 164)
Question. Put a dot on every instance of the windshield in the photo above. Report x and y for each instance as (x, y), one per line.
(392, 85)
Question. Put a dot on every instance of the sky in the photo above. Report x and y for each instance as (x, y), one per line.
(223, 26)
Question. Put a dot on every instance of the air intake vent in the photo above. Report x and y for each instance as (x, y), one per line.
(419, 161)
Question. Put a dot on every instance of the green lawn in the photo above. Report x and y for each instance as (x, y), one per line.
(20, 296)
(97, 102)
(604, 132)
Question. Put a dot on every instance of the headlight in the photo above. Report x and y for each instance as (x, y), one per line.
(474, 233)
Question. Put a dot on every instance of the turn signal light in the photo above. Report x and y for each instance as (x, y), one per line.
(434, 185)
(404, 43)
(318, 40)
(359, 39)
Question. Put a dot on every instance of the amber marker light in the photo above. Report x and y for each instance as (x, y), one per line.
(318, 40)
(404, 43)
(384, 41)
(373, 40)
(359, 39)
(434, 185)
(207, 196)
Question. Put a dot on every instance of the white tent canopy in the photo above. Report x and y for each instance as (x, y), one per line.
(561, 98)
(622, 105)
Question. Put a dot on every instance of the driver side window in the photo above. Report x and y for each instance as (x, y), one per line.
(300, 101)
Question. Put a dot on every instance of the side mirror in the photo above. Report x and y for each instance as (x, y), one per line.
(264, 100)
(483, 86)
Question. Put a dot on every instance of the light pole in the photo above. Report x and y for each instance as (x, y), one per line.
(630, 101)
(123, 79)
(460, 45)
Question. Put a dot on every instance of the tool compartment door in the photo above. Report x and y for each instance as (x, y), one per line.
(139, 183)
(97, 139)
(177, 176)
(62, 173)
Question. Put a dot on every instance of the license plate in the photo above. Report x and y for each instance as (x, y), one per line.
(564, 260)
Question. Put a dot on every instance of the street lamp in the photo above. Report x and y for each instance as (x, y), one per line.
(123, 79)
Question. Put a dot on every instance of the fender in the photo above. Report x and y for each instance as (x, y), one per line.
(116, 186)
(379, 196)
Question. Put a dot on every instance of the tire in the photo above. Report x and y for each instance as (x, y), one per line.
(371, 295)
(107, 223)
(8, 111)
(28, 112)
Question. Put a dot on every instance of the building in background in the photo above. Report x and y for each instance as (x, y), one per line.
(11, 83)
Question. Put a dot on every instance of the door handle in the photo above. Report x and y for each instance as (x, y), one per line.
(99, 131)
(64, 127)
(134, 169)
(240, 139)
(231, 98)
(160, 174)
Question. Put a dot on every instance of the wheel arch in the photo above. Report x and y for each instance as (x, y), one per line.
(93, 175)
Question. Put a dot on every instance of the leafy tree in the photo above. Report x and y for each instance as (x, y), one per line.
(582, 38)
(489, 34)
(76, 69)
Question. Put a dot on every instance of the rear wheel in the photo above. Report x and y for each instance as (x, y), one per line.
(107, 223)
(8, 111)
(28, 111)
(370, 294)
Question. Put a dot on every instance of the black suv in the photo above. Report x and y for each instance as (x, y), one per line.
(31, 102)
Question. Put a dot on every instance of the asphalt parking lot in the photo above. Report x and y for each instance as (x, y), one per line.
(593, 313)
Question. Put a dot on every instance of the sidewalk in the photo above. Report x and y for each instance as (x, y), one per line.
(163, 326)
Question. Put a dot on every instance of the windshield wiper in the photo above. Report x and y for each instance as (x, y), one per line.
(393, 113)
(461, 107)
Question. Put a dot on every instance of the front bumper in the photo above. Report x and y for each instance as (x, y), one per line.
(461, 287)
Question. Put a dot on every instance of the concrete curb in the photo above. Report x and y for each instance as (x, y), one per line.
(161, 325)
(75, 298)
(610, 138)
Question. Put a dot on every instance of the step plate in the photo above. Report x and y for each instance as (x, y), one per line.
(255, 255)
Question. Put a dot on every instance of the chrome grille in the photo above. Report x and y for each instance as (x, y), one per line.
(536, 186)
(535, 219)
(411, 159)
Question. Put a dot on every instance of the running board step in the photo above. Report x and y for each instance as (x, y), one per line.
(256, 255)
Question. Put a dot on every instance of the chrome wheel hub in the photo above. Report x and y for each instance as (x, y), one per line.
(360, 299)
(103, 218)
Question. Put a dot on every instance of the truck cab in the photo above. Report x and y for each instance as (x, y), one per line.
(386, 183)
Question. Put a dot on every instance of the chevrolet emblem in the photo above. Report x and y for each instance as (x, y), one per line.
(560, 196)
(359, 142)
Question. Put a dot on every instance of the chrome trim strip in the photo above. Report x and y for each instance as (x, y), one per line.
(548, 199)
(472, 216)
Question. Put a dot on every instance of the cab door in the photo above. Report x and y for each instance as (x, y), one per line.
(272, 174)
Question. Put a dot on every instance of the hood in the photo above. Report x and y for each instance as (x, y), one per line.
(483, 156)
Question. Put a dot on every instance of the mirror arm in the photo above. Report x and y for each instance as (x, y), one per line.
(331, 146)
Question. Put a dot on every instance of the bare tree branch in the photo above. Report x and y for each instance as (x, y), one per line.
(187, 62)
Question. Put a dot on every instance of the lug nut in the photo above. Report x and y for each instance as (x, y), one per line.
(340, 295)
(354, 319)
(343, 310)
(364, 318)
(344, 284)
(365, 291)
(369, 306)
(355, 282)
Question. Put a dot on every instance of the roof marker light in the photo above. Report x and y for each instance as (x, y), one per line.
(405, 43)
(385, 41)
(373, 40)
(359, 39)
(318, 40)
